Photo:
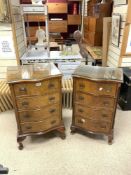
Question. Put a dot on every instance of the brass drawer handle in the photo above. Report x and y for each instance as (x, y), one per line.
(81, 121)
(25, 103)
(52, 110)
(28, 127)
(106, 103)
(38, 84)
(22, 89)
(104, 115)
(103, 126)
(82, 86)
(51, 86)
(27, 116)
(53, 122)
(52, 98)
(80, 110)
(108, 90)
(81, 98)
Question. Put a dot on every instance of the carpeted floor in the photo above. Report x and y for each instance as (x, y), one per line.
(76, 155)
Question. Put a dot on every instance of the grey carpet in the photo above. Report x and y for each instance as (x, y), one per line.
(76, 155)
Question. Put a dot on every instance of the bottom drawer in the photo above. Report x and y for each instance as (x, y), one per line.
(94, 126)
(103, 114)
(58, 26)
(39, 126)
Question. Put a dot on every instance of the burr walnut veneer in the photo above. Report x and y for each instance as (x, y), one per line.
(36, 92)
(95, 92)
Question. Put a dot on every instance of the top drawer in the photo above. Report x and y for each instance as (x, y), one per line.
(57, 7)
(34, 18)
(37, 88)
(58, 26)
(74, 19)
(97, 88)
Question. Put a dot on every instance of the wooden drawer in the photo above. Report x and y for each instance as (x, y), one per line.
(102, 114)
(74, 19)
(57, 7)
(32, 31)
(58, 26)
(40, 126)
(97, 88)
(96, 101)
(40, 114)
(37, 88)
(93, 126)
(37, 102)
(34, 18)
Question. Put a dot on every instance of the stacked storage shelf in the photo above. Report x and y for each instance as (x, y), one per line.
(64, 18)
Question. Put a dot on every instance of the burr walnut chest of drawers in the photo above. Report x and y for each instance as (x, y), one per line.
(36, 92)
(95, 92)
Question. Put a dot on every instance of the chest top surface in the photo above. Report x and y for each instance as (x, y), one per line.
(34, 72)
(99, 73)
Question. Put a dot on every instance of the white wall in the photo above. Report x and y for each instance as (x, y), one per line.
(7, 52)
(113, 57)
(15, 2)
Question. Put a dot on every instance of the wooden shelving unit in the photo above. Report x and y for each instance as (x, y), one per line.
(93, 23)
(62, 18)
(35, 20)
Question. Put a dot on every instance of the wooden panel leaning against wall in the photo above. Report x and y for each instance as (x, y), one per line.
(105, 42)
(114, 51)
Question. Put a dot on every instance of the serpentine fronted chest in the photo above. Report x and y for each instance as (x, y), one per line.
(95, 93)
(36, 94)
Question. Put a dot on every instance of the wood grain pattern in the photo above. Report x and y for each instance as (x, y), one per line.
(37, 101)
(34, 18)
(57, 8)
(58, 26)
(129, 14)
(98, 88)
(88, 100)
(74, 19)
(96, 114)
(37, 114)
(31, 103)
(40, 126)
(93, 109)
(38, 88)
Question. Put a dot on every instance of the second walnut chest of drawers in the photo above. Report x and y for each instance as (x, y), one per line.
(95, 92)
(36, 92)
